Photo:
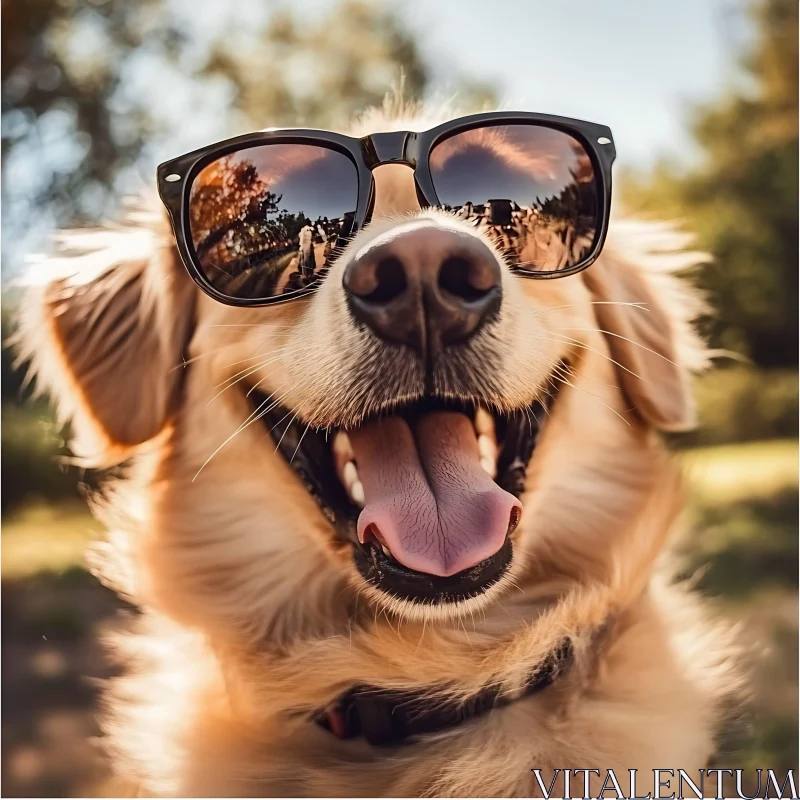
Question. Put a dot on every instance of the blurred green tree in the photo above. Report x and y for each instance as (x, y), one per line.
(742, 197)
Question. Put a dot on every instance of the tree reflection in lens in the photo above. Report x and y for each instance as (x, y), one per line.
(531, 189)
(264, 221)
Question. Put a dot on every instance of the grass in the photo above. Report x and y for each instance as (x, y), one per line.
(744, 506)
(734, 473)
(43, 538)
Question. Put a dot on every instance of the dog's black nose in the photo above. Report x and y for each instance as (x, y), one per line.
(424, 286)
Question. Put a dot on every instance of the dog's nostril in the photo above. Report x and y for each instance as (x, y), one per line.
(426, 287)
(457, 277)
(390, 277)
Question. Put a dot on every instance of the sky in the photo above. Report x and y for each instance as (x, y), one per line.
(635, 65)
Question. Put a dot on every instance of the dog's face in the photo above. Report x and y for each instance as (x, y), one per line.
(426, 432)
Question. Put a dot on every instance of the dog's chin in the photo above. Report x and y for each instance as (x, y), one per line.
(424, 496)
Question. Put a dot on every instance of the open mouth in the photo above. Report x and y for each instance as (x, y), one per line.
(426, 494)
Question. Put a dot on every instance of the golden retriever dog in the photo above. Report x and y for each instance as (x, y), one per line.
(382, 552)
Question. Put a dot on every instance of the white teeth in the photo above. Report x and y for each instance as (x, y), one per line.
(487, 441)
(357, 494)
(487, 447)
(347, 471)
(484, 423)
(349, 474)
(386, 551)
(489, 466)
(342, 451)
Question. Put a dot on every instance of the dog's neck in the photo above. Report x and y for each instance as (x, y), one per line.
(385, 718)
(443, 676)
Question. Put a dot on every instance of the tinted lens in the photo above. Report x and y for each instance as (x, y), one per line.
(533, 188)
(264, 220)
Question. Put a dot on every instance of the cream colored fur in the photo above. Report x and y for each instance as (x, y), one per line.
(254, 616)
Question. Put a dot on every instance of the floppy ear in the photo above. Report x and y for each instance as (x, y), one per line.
(105, 325)
(656, 344)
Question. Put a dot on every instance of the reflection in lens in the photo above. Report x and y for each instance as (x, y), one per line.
(264, 220)
(531, 188)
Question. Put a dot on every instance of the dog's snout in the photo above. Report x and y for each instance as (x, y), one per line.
(425, 287)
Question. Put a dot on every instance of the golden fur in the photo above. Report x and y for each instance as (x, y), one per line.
(253, 615)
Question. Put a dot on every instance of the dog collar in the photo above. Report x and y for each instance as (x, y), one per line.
(386, 718)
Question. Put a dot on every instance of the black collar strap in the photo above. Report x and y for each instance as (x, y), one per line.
(390, 718)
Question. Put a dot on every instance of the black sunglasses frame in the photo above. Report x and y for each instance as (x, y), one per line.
(175, 178)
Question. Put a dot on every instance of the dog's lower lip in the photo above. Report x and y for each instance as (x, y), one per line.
(313, 455)
(389, 576)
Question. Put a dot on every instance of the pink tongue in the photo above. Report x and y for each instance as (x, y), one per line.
(427, 497)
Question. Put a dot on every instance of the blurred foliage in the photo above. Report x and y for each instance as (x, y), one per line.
(742, 198)
(748, 546)
(35, 464)
(741, 404)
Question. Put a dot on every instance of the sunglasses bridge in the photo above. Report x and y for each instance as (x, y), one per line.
(394, 147)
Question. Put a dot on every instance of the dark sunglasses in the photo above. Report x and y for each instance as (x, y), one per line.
(259, 218)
